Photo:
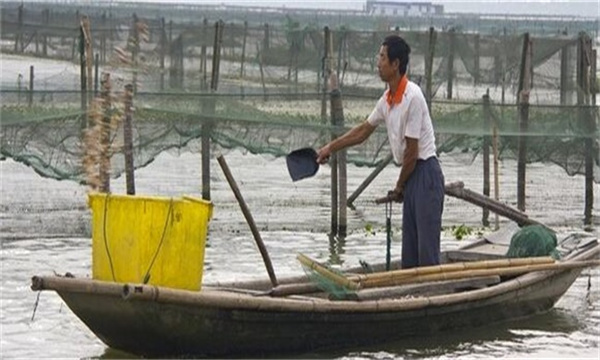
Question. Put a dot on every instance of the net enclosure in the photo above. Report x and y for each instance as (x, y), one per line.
(263, 88)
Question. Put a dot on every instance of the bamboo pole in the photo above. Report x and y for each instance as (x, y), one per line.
(496, 175)
(477, 76)
(294, 289)
(260, 57)
(374, 278)
(89, 53)
(128, 140)
(249, 219)
(337, 121)
(96, 79)
(31, 84)
(584, 79)
(326, 68)
(502, 267)
(163, 51)
(486, 155)
(104, 27)
(432, 288)
(330, 275)
(523, 101)
(83, 73)
(19, 33)
(105, 134)
(368, 180)
(243, 59)
(564, 74)
(429, 67)
(203, 61)
(458, 190)
(46, 16)
(450, 67)
(210, 109)
(506, 271)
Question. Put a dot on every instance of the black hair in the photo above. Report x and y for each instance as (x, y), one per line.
(397, 48)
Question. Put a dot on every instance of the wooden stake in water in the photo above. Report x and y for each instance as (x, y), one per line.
(249, 219)
(128, 140)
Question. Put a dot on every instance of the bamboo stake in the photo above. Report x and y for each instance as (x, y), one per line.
(496, 176)
(523, 105)
(249, 219)
(128, 140)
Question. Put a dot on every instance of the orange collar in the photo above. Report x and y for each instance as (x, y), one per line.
(397, 98)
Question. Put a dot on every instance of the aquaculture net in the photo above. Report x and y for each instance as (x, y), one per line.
(52, 142)
(269, 95)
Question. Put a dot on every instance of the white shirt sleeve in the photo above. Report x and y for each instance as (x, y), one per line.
(377, 116)
(414, 119)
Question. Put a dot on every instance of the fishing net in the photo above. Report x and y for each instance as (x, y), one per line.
(268, 94)
(532, 241)
(328, 279)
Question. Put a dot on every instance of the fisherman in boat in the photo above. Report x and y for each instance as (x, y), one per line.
(420, 185)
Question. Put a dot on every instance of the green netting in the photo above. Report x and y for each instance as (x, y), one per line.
(333, 289)
(51, 141)
(532, 241)
(268, 93)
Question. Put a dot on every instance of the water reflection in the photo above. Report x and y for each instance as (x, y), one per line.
(336, 250)
(497, 340)
(45, 229)
(533, 335)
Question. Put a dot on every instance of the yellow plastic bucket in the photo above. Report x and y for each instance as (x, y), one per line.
(153, 240)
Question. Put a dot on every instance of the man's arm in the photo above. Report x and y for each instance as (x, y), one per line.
(409, 161)
(354, 136)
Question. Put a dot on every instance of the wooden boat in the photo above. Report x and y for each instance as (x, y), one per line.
(254, 319)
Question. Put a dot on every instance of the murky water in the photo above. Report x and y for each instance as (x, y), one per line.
(45, 229)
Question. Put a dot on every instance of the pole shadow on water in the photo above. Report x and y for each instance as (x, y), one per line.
(336, 249)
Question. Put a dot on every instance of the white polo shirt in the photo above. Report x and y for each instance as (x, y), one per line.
(410, 119)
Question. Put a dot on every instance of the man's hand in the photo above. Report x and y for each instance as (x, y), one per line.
(323, 154)
(397, 194)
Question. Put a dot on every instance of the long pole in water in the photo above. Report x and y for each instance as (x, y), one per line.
(388, 231)
(249, 219)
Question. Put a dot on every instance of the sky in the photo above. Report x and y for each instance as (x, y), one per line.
(588, 8)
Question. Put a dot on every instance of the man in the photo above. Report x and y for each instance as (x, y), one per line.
(410, 131)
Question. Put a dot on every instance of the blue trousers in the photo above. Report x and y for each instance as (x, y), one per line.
(422, 214)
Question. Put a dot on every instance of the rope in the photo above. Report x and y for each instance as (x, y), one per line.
(112, 270)
(162, 239)
(35, 306)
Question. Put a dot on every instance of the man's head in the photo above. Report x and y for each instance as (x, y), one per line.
(393, 57)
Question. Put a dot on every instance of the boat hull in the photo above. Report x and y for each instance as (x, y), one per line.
(152, 327)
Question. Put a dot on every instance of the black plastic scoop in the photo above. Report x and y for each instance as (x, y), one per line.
(302, 163)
